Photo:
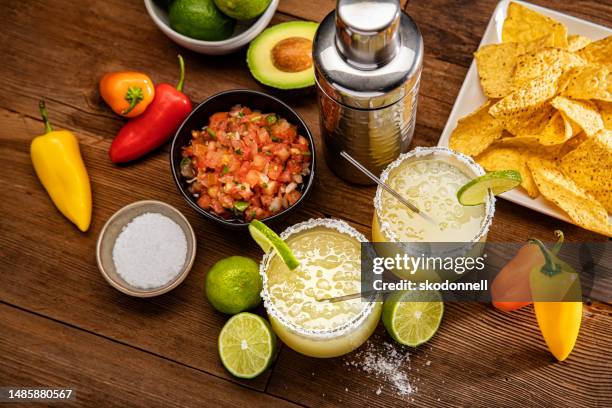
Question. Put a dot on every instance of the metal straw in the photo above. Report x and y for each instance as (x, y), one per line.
(346, 297)
(399, 198)
(391, 191)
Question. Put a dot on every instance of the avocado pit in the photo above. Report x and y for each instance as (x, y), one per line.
(293, 54)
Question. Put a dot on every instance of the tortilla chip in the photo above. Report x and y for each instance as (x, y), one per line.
(548, 60)
(584, 113)
(545, 127)
(557, 131)
(576, 42)
(598, 51)
(523, 24)
(521, 142)
(528, 123)
(475, 132)
(588, 82)
(533, 144)
(494, 159)
(605, 109)
(527, 99)
(590, 166)
(527, 149)
(581, 206)
(496, 64)
(571, 144)
(575, 129)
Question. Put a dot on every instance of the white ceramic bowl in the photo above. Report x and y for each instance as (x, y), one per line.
(114, 226)
(244, 33)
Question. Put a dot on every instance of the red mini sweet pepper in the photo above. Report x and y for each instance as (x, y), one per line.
(156, 125)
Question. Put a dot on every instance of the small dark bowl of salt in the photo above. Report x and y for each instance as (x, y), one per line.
(146, 248)
(223, 102)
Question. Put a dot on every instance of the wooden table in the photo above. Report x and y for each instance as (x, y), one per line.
(62, 325)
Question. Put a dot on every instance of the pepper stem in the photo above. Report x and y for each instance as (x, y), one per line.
(181, 82)
(550, 267)
(43, 113)
(133, 95)
(560, 237)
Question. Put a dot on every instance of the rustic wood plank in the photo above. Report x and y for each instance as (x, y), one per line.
(479, 358)
(450, 39)
(58, 262)
(48, 264)
(38, 352)
(82, 109)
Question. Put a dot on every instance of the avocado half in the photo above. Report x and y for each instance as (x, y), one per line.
(281, 56)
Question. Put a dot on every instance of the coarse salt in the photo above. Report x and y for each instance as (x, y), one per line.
(385, 362)
(150, 251)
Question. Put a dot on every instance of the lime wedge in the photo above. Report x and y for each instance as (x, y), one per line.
(475, 192)
(412, 318)
(268, 239)
(246, 345)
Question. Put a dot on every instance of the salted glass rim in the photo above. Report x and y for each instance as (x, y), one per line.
(330, 223)
(476, 168)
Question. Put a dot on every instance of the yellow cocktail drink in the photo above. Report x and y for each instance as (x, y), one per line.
(430, 178)
(329, 252)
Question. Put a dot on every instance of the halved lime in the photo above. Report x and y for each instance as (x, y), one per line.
(475, 192)
(268, 239)
(246, 345)
(412, 318)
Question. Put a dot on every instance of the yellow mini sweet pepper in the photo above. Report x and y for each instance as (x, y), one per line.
(59, 166)
(556, 293)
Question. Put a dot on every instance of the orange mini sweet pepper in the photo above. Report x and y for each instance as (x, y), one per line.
(127, 93)
(510, 289)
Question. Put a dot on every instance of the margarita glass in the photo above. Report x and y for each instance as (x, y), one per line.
(329, 252)
(430, 177)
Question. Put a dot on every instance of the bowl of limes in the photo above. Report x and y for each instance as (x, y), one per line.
(214, 27)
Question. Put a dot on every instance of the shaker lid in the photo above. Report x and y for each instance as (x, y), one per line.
(367, 32)
(366, 51)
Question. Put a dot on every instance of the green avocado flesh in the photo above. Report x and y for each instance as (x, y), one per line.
(200, 19)
(295, 40)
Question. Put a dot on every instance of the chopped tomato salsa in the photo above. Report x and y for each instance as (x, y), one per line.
(246, 164)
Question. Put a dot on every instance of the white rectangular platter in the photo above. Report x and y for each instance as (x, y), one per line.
(471, 97)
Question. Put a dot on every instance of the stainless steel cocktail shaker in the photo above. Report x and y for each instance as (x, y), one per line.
(368, 57)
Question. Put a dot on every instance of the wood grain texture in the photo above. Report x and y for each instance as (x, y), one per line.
(59, 49)
(480, 357)
(38, 352)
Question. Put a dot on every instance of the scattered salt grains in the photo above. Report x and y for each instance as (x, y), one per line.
(150, 251)
(384, 362)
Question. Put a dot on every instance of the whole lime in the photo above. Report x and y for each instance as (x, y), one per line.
(243, 9)
(200, 19)
(233, 285)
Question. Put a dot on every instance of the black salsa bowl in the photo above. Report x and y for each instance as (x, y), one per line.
(221, 102)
